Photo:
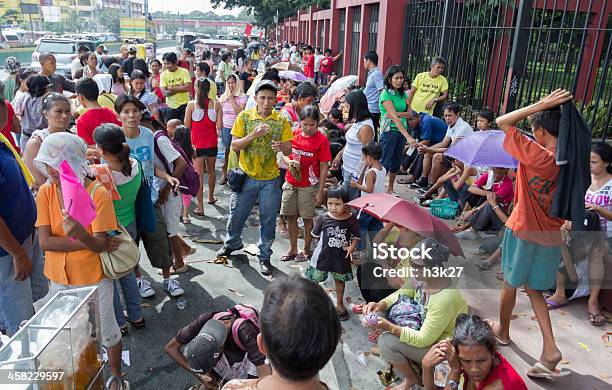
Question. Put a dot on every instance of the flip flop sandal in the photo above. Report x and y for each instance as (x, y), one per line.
(552, 305)
(539, 370)
(300, 257)
(223, 181)
(199, 213)
(497, 338)
(404, 180)
(213, 201)
(288, 257)
(283, 234)
(484, 266)
(137, 324)
(344, 316)
(185, 220)
(593, 319)
(358, 309)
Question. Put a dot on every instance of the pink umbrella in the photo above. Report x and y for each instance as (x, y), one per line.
(292, 75)
(328, 100)
(77, 202)
(390, 208)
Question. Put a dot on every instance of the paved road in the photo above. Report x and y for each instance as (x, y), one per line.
(207, 288)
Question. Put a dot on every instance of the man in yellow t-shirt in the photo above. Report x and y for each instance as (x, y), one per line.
(429, 88)
(175, 83)
(258, 135)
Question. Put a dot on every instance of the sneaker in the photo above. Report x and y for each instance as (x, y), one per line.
(467, 235)
(144, 288)
(265, 267)
(172, 287)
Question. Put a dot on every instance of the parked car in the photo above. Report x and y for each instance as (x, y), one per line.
(37, 42)
(65, 51)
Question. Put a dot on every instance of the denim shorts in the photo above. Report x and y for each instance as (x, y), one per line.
(226, 137)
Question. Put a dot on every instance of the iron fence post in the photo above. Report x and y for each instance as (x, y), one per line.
(520, 44)
(449, 6)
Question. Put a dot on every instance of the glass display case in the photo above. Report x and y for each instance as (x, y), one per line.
(58, 348)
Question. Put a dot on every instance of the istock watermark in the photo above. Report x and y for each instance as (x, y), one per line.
(420, 256)
(384, 251)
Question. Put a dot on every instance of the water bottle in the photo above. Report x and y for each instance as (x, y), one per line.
(441, 373)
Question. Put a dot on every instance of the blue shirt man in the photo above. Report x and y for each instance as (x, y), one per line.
(429, 127)
(374, 85)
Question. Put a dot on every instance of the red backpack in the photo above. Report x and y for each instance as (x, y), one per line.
(242, 313)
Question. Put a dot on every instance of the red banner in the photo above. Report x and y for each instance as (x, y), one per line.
(248, 29)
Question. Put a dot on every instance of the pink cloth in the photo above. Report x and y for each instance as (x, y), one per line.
(77, 202)
(186, 200)
(229, 115)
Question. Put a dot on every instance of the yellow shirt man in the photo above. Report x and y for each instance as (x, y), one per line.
(426, 89)
(175, 79)
(258, 160)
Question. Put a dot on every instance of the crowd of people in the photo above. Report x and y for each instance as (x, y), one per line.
(138, 134)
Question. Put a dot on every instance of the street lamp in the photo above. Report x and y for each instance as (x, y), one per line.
(276, 25)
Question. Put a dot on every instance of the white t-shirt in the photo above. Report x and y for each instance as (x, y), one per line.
(119, 178)
(75, 67)
(460, 130)
(168, 151)
(602, 198)
(379, 184)
(285, 53)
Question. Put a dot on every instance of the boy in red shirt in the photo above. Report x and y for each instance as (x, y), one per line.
(327, 65)
(87, 92)
(309, 64)
(531, 249)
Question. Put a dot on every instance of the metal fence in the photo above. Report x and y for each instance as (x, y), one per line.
(373, 28)
(355, 36)
(504, 54)
(342, 31)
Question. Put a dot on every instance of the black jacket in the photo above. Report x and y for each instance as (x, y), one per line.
(573, 156)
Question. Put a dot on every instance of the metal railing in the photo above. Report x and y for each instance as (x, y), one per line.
(504, 54)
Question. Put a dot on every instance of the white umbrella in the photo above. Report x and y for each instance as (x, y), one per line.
(342, 83)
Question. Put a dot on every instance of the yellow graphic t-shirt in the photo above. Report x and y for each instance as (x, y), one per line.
(258, 159)
(427, 88)
(175, 79)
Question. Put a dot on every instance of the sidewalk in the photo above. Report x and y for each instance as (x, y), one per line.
(207, 289)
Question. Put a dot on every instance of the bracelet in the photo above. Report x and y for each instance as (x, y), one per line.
(496, 207)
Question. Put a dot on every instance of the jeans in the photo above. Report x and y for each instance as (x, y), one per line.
(346, 183)
(392, 143)
(269, 194)
(368, 226)
(17, 297)
(457, 196)
(131, 295)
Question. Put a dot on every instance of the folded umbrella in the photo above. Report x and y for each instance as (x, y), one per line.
(77, 202)
(328, 100)
(390, 208)
(483, 149)
(292, 75)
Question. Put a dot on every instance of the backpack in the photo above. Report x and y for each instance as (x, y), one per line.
(242, 313)
(190, 178)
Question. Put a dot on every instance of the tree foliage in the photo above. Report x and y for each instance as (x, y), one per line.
(264, 11)
(108, 19)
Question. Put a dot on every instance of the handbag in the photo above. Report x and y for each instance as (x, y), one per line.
(145, 210)
(407, 312)
(122, 261)
(235, 179)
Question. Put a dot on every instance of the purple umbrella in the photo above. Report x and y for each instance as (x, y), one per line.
(483, 149)
(292, 75)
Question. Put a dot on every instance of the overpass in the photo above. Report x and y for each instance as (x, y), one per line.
(197, 23)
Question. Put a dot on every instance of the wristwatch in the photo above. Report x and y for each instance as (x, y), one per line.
(453, 385)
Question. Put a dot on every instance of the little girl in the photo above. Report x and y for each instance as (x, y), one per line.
(182, 135)
(338, 232)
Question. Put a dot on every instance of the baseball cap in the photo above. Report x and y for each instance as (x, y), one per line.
(266, 84)
(205, 349)
(132, 49)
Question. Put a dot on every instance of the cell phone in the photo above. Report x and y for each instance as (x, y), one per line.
(113, 233)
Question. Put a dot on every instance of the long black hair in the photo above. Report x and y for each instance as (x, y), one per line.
(111, 139)
(203, 85)
(358, 106)
(113, 71)
(141, 65)
(37, 85)
(182, 135)
(393, 69)
(138, 75)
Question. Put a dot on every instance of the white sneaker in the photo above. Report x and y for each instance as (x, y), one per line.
(144, 288)
(469, 234)
(172, 287)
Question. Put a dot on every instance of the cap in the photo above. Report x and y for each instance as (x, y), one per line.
(266, 84)
(205, 349)
(132, 49)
